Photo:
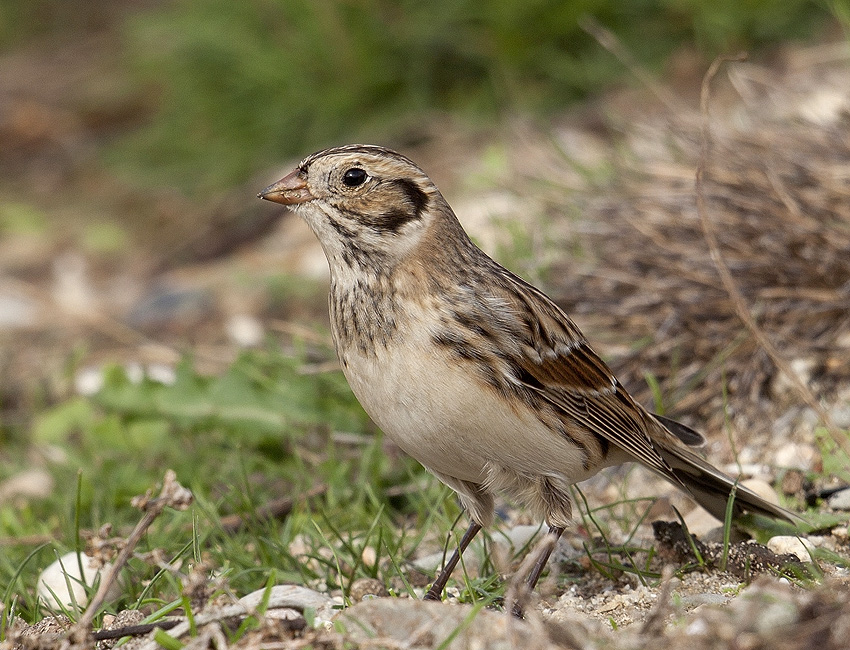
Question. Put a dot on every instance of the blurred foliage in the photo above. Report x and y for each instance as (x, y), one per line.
(239, 85)
(21, 20)
(254, 415)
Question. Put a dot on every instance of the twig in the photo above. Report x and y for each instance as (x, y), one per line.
(741, 308)
(172, 495)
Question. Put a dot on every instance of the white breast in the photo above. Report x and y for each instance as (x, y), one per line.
(438, 411)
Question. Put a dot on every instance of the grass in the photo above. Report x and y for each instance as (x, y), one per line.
(262, 429)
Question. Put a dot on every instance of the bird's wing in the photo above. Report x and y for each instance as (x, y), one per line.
(567, 373)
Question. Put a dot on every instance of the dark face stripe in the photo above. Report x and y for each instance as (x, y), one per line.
(408, 203)
(415, 196)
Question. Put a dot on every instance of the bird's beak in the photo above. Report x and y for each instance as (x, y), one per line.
(289, 190)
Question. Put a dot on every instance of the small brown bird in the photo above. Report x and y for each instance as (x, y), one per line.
(469, 369)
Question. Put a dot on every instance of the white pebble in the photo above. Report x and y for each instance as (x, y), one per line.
(244, 330)
(17, 312)
(162, 373)
(803, 368)
(763, 489)
(795, 455)
(54, 581)
(782, 544)
(35, 483)
(88, 381)
(840, 500)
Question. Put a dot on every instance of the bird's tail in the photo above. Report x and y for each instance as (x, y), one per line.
(711, 488)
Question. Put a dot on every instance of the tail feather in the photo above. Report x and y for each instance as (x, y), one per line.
(711, 488)
(683, 432)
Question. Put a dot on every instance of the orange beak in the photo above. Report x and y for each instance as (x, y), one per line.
(289, 190)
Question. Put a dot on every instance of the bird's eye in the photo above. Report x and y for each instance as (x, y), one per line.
(354, 177)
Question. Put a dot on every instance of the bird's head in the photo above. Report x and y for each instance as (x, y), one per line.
(365, 203)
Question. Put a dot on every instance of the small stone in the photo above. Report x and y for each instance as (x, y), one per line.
(699, 522)
(802, 368)
(88, 381)
(792, 482)
(717, 535)
(245, 330)
(398, 622)
(33, 483)
(161, 373)
(785, 544)
(54, 581)
(293, 597)
(691, 601)
(369, 556)
(799, 456)
(365, 588)
(841, 415)
(610, 606)
(840, 500)
(17, 312)
(520, 536)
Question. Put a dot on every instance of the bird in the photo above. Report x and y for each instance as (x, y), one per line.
(469, 369)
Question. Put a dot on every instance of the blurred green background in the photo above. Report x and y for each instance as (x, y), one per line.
(222, 89)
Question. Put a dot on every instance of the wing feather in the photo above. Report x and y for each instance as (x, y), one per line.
(566, 372)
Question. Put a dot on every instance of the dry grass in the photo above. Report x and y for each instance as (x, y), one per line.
(776, 189)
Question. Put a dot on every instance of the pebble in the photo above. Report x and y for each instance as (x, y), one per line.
(763, 489)
(89, 380)
(802, 367)
(409, 623)
(797, 455)
(244, 330)
(793, 482)
(35, 483)
(292, 597)
(72, 287)
(841, 415)
(54, 581)
(782, 544)
(691, 601)
(705, 526)
(519, 536)
(840, 500)
(699, 522)
(369, 556)
(16, 312)
(365, 588)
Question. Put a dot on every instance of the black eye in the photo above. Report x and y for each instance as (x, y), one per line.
(354, 177)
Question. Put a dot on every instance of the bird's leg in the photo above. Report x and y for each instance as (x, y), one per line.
(436, 590)
(539, 565)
